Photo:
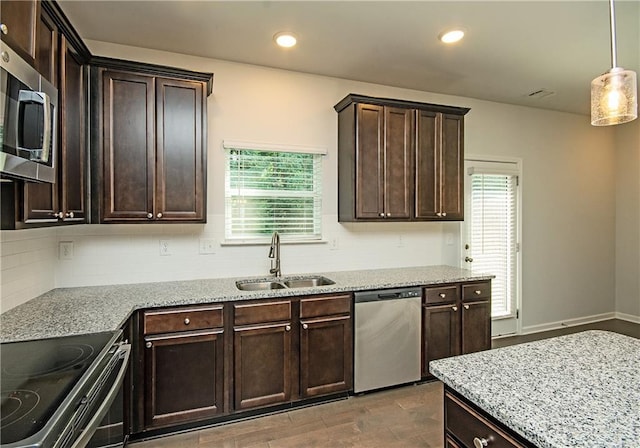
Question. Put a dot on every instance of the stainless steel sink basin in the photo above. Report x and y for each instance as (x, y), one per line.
(308, 282)
(283, 283)
(259, 286)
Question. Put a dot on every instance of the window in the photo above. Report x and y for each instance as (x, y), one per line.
(271, 189)
(491, 239)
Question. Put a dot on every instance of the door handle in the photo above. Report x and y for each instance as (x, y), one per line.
(468, 259)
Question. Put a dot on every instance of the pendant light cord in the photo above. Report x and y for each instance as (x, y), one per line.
(612, 16)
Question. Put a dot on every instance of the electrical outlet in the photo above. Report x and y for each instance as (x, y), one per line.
(400, 241)
(165, 247)
(65, 250)
(449, 239)
(207, 246)
(333, 243)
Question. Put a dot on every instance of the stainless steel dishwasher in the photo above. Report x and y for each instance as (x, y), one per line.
(387, 338)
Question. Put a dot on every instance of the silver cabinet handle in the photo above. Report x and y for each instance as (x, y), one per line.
(58, 215)
(149, 215)
(4, 29)
(305, 326)
(159, 215)
(468, 259)
(439, 214)
(454, 308)
(388, 215)
(5, 56)
(148, 345)
(68, 215)
(444, 214)
(466, 307)
(187, 321)
(382, 215)
(442, 295)
(477, 292)
(288, 328)
(480, 442)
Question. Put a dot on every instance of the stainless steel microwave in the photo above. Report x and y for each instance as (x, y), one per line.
(28, 121)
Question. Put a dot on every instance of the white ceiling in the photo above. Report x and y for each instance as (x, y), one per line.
(511, 48)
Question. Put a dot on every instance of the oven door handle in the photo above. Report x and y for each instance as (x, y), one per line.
(124, 351)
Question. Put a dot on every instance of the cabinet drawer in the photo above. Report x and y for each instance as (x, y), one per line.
(442, 294)
(476, 291)
(466, 424)
(182, 319)
(325, 306)
(261, 312)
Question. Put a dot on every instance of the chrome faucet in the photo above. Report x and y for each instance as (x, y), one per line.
(274, 252)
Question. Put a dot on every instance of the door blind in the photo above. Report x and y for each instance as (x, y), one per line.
(493, 236)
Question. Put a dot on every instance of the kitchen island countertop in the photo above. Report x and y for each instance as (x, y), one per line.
(91, 309)
(570, 391)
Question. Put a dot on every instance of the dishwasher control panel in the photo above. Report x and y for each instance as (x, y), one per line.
(387, 294)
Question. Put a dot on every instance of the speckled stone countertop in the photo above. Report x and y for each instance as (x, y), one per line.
(69, 311)
(579, 390)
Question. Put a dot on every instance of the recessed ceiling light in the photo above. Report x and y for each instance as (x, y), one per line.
(449, 37)
(285, 39)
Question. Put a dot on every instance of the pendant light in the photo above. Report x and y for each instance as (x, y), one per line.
(614, 95)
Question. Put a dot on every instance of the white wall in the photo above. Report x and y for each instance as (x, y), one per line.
(569, 197)
(628, 220)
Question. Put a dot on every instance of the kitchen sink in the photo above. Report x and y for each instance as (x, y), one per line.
(284, 283)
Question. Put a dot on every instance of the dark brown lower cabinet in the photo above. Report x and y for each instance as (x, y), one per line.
(456, 319)
(184, 377)
(183, 363)
(262, 365)
(467, 426)
(326, 345)
(440, 333)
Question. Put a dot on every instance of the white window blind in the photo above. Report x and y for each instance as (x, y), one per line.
(493, 236)
(272, 190)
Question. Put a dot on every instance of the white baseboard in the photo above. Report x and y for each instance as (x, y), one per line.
(628, 317)
(573, 322)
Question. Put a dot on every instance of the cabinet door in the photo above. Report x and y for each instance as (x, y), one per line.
(20, 18)
(183, 377)
(369, 162)
(180, 179)
(47, 56)
(476, 326)
(72, 136)
(427, 166)
(129, 147)
(262, 370)
(452, 167)
(398, 163)
(325, 355)
(440, 333)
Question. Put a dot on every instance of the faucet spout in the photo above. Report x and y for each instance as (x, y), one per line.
(274, 254)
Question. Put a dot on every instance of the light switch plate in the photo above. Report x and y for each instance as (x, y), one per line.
(207, 246)
(65, 250)
(165, 248)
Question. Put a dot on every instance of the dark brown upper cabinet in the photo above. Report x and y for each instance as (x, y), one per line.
(19, 27)
(439, 166)
(399, 160)
(150, 162)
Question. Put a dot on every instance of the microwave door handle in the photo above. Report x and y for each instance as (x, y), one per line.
(28, 96)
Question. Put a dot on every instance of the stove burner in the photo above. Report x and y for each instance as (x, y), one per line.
(33, 365)
(16, 405)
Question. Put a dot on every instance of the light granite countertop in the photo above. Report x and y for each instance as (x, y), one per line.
(579, 390)
(69, 311)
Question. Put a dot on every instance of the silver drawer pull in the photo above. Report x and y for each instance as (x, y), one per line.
(288, 328)
(466, 307)
(305, 326)
(454, 308)
(477, 292)
(149, 215)
(148, 345)
(442, 295)
(187, 321)
(480, 442)
(4, 29)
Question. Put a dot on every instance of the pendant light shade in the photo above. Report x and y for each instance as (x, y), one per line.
(614, 95)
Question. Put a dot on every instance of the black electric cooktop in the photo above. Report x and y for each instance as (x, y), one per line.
(37, 376)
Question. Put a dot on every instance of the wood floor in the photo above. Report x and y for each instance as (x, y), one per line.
(404, 417)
